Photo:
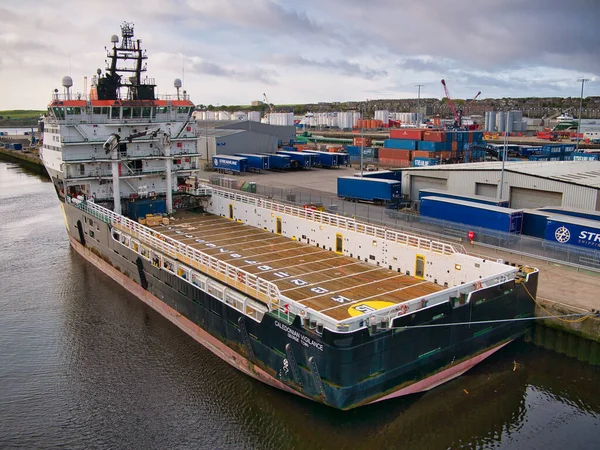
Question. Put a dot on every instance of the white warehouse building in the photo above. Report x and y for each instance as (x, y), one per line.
(527, 184)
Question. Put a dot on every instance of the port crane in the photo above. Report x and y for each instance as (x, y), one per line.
(458, 113)
(269, 104)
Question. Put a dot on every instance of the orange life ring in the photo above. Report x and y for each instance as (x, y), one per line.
(240, 277)
(403, 309)
(478, 285)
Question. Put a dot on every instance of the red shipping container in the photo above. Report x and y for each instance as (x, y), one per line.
(407, 133)
(454, 146)
(393, 153)
(434, 136)
(391, 162)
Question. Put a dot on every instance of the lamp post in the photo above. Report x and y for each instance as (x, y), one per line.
(582, 81)
(419, 86)
(504, 152)
(362, 137)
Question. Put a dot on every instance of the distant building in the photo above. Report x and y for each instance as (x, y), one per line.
(570, 184)
(257, 103)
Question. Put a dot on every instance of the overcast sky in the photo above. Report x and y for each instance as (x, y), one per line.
(231, 51)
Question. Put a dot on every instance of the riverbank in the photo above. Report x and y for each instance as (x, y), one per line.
(27, 159)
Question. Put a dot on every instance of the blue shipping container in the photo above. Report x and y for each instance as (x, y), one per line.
(419, 162)
(552, 149)
(279, 162)
(18, 146)
(573, 231)
(259, 162)
(401, 144)
(469, 198)
(580, 156)
(383, 174)
(369, 189)
(231, 163)
(143, 207)
(473, 214)
(434, 146)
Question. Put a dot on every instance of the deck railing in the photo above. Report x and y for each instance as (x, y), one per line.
(338, 221)
(249, 283)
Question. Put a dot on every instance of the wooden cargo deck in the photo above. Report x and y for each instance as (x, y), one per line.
(333, 284)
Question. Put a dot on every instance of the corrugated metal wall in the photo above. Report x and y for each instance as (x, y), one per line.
(283, 133)
(245, 142)
(464, 182)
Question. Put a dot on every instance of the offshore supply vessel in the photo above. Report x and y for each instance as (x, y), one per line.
(335, 310)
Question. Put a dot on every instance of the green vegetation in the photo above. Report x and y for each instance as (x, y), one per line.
(20, 114)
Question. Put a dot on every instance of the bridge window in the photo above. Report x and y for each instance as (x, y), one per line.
(73, 111)
(162, 109)
(59, 113)
(126, 112)
(137, 112)
(97, 110)
(146, 112)
(116, 112)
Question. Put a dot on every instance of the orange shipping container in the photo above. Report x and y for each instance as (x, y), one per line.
(434, 136)
(454, 146)
(470, 137)
(393, 153)
(391, 162)
(407, 133)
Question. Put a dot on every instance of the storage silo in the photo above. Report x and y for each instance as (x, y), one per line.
(510, 119)
(517, 120)
(501, 121)
(254, 116)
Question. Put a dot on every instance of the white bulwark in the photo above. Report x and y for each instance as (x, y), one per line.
(527, 184)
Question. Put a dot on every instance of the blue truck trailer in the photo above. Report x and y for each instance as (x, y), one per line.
(534, 223)
(573, 231)
(581, 213)
(255, 161)
(472, 214)
(466, 197)
(369, 189)
(382, 174)
(230, 163)
(299, 160)
(278, 162)
(326, 159)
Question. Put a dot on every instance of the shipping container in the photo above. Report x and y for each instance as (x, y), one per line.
(580, 156)
(140, 208)
(573, 231)
(552, 149)
(466, 197)
(299, 160)
(434, 146)
(369, 189)
(394, 163)
(382, 174)
(472, 214)
(393, 153)
(408, 133)
(403, 144)
(255, 161)
(434, 136)
(230, 163)
(278, 162)
(572, 212)
(18, 146)
(534, 223)
(421, 162)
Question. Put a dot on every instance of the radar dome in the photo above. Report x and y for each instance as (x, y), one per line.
(67, 81)
(177, 83)
(114, 39)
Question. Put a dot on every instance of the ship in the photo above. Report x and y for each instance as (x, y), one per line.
(326, 307)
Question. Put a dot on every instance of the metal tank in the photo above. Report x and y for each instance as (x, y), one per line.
(510, 119)
(501, 121)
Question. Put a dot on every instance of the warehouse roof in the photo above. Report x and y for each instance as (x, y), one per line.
(217, 132)
(583, 173)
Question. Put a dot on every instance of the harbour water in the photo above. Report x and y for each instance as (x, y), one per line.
(84, 364)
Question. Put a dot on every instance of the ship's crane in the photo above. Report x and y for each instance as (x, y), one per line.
(457, 113)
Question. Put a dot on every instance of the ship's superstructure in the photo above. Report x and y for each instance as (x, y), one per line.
(336, 310)
(120, 142)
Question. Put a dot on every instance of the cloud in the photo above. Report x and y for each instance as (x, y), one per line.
(311, 50)
(349, 68)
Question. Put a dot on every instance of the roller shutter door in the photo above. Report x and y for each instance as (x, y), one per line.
(419, 182)
(487, 190)
(521, 198)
